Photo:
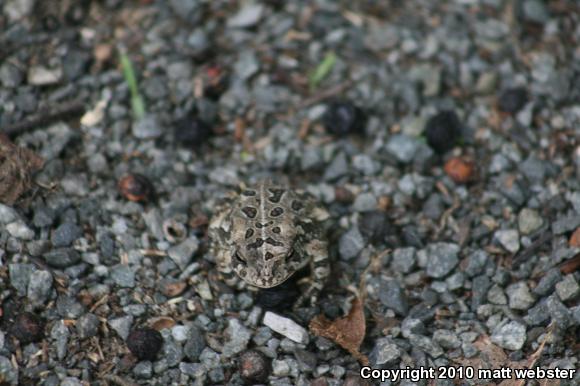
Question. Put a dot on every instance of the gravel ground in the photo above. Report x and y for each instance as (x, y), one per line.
(442, 136)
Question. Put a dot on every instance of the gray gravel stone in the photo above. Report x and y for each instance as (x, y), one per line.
(147, 127)
(384, 354)
(286, 327)
(446, 339)
(122, 325)
(529, 221)
(247, 16)
(404, 259)
(568, 289)
(426, 345)
(143, 370)
(172, 352)
(566, 224)
(496, 295)
(548, 282)
(66, 234)
(402, 147)
(391, 295)
(535, 11)
(510, 336)
(480, 286)
(559, 313)
(68, 307)
(350, 244)
(194, 370)
(239, 337)
(194, 345)
(520, 297)
(337, 168)
(62, 257)
(182, 253)
(7, 372)
(509, 239)
(87, 325)
(7, 214)
(476, 262)
(20, 230)
(39, 287)
(123, 276)
(20, 276)
(247, 65)
(60, 334)
(442, 258)
(364, 202)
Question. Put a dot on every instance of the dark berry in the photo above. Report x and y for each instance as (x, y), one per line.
(191, 132)
(279, 297)
(343, 118)
(28, 328)
(443, 130)
(512, 100)
(254, 367)
(145, 343)
(136, 187)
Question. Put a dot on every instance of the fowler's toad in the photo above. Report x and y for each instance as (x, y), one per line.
(266, 234)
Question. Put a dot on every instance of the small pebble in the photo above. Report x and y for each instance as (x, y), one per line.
(286, 327)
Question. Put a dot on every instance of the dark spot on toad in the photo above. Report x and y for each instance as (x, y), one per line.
(297, 205)
(273, 242)
(276, 230)
(277, 211)
(269, 256)
(249, 211)
(249, 193)
(249, 233)
(276, 195)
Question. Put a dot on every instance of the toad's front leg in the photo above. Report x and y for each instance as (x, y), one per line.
(317, 251)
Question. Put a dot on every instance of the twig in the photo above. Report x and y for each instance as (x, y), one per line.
(324, 94)
(118, 380)
(533, 247)
(44, 117)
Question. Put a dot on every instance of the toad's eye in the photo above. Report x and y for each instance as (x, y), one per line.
(239, 258)
(290, 256)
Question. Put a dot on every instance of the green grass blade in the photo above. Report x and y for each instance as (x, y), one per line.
(137, 102)
(322, 70)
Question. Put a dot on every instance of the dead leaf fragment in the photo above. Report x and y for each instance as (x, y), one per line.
(347, 332)
(161, 322)
(460, 169)
(17, 165)
(575, 239)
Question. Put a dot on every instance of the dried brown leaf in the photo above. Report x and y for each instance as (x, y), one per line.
(161, 322)
(571, 265)
(348, 332)
(17, 164)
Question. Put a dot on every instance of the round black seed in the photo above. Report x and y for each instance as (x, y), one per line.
(191, 131)
(27, 328)
(255, 367)
(145, 343)
(512, 100)
(249, 211)
(277, 211)
(343, 118)
(442, 131)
